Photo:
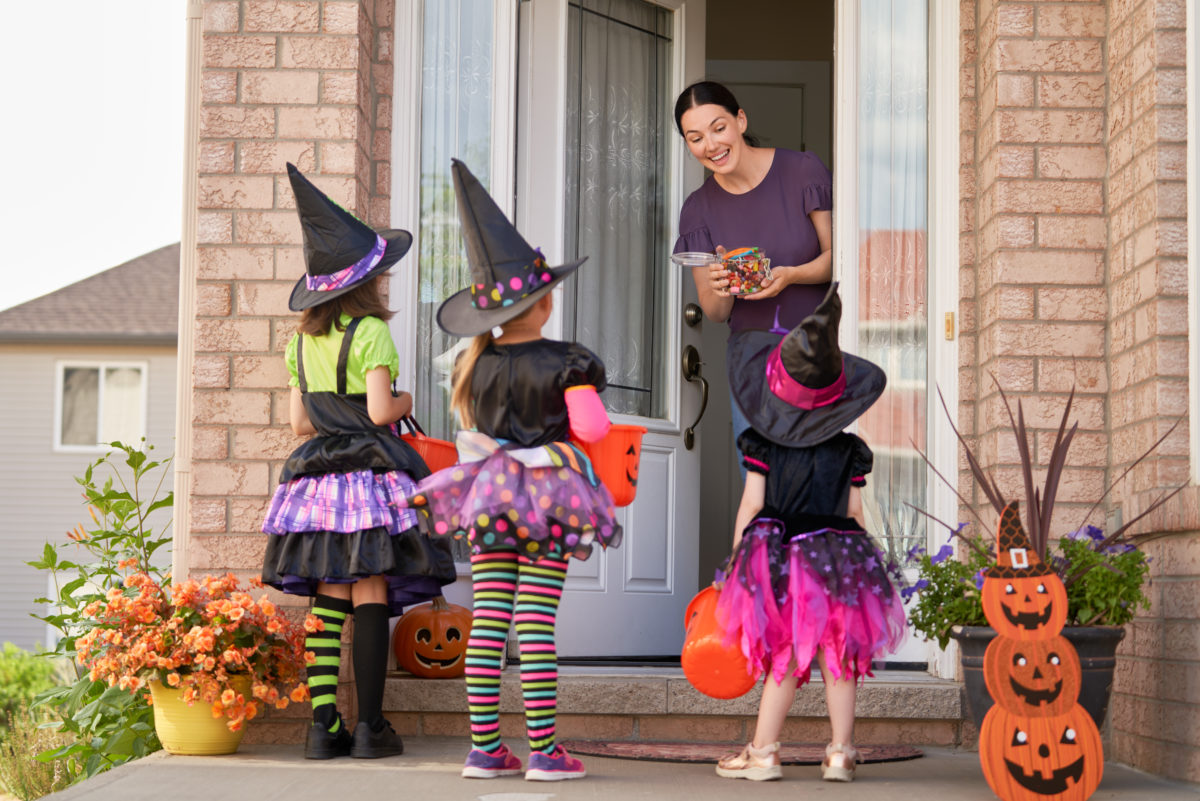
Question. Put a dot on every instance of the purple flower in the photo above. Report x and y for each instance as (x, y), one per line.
(979, 580)
(915, 552)
(944, 553)
(1091, 532)
(909, 592)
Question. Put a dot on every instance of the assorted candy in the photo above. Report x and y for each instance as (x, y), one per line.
(748, 268)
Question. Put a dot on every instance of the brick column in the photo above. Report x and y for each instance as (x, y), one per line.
(307, 82)
(1040, 237)
(1155, 706)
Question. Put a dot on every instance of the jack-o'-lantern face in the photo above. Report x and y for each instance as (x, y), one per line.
(1026, 608)
(1033, 677)
(631, 465)
(431, 640)
(1054, 758)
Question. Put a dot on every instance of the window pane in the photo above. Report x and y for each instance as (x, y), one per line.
(892, 169)
(618, 61)
(123, 412)
(456, 113)
(80, 405)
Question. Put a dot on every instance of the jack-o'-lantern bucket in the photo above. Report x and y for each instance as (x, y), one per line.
(713, 668)
(437, 453)
(615, 460)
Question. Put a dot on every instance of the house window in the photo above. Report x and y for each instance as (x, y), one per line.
(98, 403)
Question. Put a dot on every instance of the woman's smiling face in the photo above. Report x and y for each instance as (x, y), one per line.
(714, 136)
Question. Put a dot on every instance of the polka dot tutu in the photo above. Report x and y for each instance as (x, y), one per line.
(499, 503)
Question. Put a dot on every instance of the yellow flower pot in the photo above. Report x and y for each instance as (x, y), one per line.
(192, 730)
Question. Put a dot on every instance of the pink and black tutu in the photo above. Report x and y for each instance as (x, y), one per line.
(539, 501)
(825, 588)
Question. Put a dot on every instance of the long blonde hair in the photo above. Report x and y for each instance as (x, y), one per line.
(461, 402)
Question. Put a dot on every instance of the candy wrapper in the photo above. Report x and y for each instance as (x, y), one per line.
(748, 268)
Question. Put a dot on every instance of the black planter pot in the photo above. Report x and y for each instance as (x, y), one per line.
(1097, 649)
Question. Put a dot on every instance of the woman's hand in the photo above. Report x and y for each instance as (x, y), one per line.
(718, 276)
(774, 284)
(712, 288)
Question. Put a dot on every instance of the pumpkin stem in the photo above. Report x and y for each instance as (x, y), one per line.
(440, 604)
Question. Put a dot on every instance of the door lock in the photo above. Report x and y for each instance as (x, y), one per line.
(691, 371)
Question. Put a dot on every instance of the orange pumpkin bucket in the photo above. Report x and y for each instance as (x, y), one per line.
(717, 670)
(615, 460)
(437, 453)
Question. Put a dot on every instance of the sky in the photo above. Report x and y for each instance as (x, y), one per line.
(92, 139)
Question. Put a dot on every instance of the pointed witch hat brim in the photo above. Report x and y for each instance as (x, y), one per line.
(497, 254)
(334, 239)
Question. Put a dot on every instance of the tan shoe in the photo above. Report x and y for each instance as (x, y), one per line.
(755, 764)
(839, 763)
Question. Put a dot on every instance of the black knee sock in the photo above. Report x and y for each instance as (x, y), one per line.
(370, 660)
(327, 646)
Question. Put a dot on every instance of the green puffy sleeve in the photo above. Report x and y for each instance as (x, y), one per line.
(290, 359)
(373, 347)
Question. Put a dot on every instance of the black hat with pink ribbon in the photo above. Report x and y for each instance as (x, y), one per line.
(341, 251)
(803, 389)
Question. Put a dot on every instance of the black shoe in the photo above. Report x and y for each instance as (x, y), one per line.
(370, 744)
(324, 744)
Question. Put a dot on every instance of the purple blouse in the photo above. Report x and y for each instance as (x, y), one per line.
(772, 216)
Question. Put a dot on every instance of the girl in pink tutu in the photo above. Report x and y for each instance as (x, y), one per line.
(805, 583)
(523, 496)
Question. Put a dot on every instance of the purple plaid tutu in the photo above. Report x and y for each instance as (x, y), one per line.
(342, 502)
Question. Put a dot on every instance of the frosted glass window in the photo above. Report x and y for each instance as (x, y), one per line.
(101, 403)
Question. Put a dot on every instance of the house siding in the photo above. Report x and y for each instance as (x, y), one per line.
(41, 498)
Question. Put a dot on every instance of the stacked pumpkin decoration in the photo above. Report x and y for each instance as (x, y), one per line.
(1037, 742)
(430, 640)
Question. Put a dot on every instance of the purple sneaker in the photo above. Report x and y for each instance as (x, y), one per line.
(553, 767)
(482, 765)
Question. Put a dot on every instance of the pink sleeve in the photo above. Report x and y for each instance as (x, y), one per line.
(589, 421)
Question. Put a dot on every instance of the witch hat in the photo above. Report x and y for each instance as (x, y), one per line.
(1015, 557)
(340, 250)
(802, 389)
(507, 275)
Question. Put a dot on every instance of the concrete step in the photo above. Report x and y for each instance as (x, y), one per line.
(658, 703)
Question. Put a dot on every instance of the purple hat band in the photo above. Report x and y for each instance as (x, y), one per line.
(788, 389)
(351, 274)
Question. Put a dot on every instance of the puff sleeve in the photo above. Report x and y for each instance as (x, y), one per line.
(756, 452)
(694, 235)
(373, 347)
(862, 459)
(581, 367)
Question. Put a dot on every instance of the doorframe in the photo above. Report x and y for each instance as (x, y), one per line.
(942, 242)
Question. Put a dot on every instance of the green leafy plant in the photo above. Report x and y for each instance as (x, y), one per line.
(1103, 573)
(104, 726)
(21, 775)
(22, 676)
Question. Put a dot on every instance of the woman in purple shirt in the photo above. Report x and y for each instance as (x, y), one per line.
(774, 199)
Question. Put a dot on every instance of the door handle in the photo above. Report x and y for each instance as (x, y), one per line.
(691, 371)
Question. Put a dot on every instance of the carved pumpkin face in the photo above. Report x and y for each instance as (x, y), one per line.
(1027, 608)
(1054, 758)
(431, 640)
(1033, 677)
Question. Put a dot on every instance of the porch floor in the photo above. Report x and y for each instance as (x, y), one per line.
(430, 766)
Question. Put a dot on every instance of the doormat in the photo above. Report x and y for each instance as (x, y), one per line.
(711, 752)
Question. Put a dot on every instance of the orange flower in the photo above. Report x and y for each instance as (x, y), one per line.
(173, 679)
(300, 693)
(313, 623)
(228, 697)
(266, 606)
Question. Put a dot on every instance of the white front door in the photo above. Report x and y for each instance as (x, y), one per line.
(601, 174)
(562, 110)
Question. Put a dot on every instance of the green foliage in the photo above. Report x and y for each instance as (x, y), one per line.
(22, 676)
(946, 593)
(103, 726)
(22, 774)
(1103, 580)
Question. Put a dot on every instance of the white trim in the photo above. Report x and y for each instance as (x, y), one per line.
(943, 267)
(845, 165)
(406, 179)
(1193, 234)
(143, 368)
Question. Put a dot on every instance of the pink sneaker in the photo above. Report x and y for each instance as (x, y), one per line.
(482, 765)
(554, 767)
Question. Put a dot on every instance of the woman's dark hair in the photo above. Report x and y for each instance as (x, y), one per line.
(703, 93)
(362, 301)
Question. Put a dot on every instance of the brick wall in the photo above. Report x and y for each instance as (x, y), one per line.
(307, 82)
(1155, 706)
(1039, 306)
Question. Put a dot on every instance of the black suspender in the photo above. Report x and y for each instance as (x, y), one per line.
(343, 358)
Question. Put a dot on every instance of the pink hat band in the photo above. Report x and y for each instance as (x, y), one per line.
(788, 389)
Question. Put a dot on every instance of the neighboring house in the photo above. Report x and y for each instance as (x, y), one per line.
(1026, 162)
(92, 362)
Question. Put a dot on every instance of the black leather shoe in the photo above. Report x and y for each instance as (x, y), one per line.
(323, 744)
(371, 744)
